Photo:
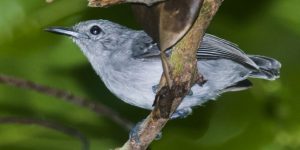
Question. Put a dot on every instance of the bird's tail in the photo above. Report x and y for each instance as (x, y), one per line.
(269, 68)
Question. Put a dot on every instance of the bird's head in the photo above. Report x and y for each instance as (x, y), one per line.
(97, 38)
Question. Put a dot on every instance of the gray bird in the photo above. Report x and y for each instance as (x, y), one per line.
(128, 62)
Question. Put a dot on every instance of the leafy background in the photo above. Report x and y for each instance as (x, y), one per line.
(265, 117)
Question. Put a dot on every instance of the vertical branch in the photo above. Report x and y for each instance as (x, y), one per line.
(184, 73)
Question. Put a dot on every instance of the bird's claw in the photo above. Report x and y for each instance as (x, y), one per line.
(134, 133)
(182, 113)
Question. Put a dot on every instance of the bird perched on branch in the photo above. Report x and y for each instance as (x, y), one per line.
(129, 64)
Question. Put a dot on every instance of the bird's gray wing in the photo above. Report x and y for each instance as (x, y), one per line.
(211, 48)
(144, 47)
(214, 47)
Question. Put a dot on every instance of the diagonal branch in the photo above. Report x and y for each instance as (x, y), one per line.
(98, 108)
(55, 126)
(106, 3)
(184, 73)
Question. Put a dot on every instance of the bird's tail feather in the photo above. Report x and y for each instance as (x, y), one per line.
(269, 68)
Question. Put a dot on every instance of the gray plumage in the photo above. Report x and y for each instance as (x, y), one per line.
(128, 63)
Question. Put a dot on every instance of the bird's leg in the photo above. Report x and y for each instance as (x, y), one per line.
(182, 113)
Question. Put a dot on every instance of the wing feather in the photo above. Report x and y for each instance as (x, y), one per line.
(214, 47)
(211, 48)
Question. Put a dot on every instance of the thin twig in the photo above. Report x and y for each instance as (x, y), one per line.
(166, 66)
(98, 108)
(106, 3)
(51, 125)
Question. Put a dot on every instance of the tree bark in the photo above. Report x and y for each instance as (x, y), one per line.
(183, 72)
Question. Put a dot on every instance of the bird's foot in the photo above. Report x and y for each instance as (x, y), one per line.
(200, 80)
(182, 113)
(155, 88)
(135, 133)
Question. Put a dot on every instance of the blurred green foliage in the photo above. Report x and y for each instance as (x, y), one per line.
(266, 117)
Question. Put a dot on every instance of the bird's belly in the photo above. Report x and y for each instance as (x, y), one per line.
(134, 84)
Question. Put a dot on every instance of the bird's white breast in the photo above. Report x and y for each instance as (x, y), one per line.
(132, 82)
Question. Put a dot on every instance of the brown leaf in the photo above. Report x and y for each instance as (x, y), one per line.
(148, 17)
(167, 22)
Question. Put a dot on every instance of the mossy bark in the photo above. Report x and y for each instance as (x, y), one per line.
(183, 72)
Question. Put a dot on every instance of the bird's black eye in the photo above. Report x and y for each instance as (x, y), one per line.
(95, 30)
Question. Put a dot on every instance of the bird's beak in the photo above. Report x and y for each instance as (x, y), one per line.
(66, 31)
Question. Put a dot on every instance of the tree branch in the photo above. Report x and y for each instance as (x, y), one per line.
(184, 73)
(98, 108)
(55, 126)
(106, 3)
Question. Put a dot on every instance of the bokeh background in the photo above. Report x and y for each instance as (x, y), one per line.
(266, 117)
